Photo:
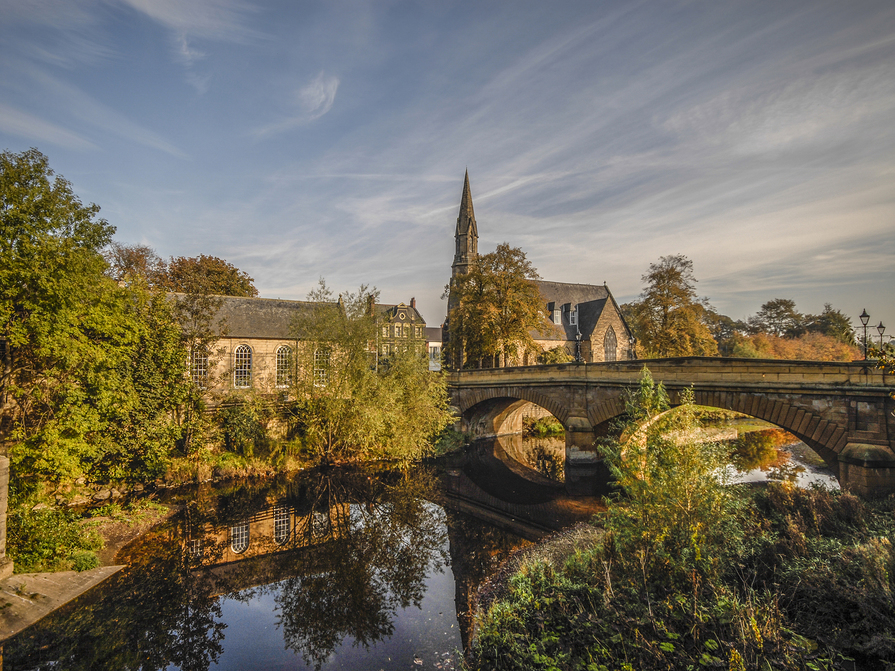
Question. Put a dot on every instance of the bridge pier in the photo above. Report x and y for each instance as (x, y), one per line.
(586, 472)
(868, 470)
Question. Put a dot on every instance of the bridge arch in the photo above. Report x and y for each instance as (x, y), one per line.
(843, 411)
(826, 438)
(497, 411)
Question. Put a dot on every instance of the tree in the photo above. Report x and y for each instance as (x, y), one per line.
(207, 275)
(347, 406)
(669, 320)
(128, 263)
(778, 317)
(91, 370)
(832, 323)
(496, 306)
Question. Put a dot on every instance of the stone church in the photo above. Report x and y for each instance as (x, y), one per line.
(583, 319)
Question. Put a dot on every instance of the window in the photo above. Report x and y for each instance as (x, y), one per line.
(385, 331)
(195, 548)
(284, 366)
(321, 366)
(282, 524)
(610, 345)
(419, 331)
(573, 316)
(399, 330)
(557, 316)
(242, 371)
(239, 538)
(199, 367)
(386, 350)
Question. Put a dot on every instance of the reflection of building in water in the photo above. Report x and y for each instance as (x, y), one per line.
(273, 529)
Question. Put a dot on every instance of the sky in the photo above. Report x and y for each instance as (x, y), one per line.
(300, 140)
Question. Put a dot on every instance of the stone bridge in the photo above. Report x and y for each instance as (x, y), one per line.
(843, 411)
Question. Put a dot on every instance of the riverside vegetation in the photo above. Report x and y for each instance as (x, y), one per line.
(94, 384)
(691, 573)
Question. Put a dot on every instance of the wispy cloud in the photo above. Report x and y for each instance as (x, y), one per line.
(210, 19)
(81, 106)
(27, 126)
(312, 102)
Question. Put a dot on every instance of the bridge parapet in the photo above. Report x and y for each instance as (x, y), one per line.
(830, 406)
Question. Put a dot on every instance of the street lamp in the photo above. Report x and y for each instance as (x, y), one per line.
(880, 329)
(864, 319)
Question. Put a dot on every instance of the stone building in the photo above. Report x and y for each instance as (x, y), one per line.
(583, 319)
(256, 346)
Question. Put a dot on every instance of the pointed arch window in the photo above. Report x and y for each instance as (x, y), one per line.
(610, 345)
(242, 370)
(284, 366)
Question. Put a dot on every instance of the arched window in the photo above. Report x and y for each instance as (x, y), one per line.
(284, 366)
(281, 525)
(239, 538)
(242, 370)
(199, 367)
(321, 366)
(610, 345)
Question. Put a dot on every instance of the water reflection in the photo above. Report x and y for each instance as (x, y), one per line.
(775, 454)
(331, 569)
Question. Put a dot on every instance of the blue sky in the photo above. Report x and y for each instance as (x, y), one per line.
(308, 139)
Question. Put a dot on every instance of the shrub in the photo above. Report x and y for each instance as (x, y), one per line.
(50, 540)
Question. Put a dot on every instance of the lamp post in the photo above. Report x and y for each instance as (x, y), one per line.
(880, 329)
(865, 318)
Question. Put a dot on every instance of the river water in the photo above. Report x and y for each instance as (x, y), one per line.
(345, 569)
(338, 569)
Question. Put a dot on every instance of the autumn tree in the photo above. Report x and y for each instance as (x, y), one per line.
(496, 306)
(207, 275)
(832, 323)
(669, 319)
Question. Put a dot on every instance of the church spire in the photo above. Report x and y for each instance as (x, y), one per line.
(467, 234)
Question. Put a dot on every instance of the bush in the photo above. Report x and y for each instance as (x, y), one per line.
(50, 540)
(243, 422)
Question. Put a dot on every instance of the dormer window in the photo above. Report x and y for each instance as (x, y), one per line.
(573, 316)
(557, 315)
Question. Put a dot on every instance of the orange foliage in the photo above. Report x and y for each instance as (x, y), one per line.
(809, 347)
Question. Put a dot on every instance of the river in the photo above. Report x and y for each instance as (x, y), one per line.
(337, 569)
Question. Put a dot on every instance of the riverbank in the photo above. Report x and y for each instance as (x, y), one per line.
(809, 584)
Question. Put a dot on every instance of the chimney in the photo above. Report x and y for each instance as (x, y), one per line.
(413, 303)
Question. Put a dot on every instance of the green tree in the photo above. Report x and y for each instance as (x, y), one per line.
(347, 406)
(207, 275)
(832, 323)
(778, 317)
(496, 306)
(90, 369)
(669, 319)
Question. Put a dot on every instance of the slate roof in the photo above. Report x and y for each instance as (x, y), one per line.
(391, 311)
(433, 334)
(591, 299)
(269, 318)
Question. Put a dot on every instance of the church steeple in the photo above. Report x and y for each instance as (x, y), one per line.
(467, 234)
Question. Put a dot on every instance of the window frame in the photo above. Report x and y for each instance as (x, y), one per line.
(285, 360)
(243, 372)
(240, 537)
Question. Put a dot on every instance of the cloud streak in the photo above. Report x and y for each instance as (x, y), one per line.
(312, 101)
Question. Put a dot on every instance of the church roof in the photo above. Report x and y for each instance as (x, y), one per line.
(591, 300)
